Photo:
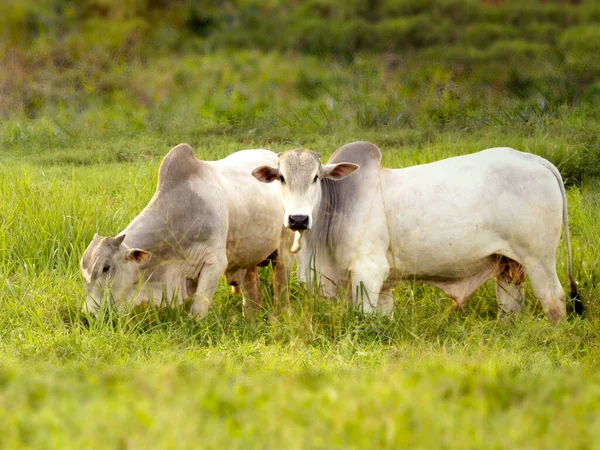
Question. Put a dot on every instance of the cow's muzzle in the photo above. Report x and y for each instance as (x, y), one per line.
(298, 222)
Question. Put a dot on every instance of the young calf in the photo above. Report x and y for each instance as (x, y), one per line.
(452, 224)
(205, 219)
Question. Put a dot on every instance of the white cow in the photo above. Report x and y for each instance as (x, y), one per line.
(452, 224)
(205, 219)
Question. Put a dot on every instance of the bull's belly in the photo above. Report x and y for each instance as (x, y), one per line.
(449, 263)
(441, 272)
(247, 253)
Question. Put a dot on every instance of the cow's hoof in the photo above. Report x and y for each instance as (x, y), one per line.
(507, 317)
(458, 304)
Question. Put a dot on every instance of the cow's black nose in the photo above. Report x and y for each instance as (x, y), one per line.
(298, 222)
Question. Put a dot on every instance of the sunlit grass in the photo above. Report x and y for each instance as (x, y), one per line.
(428, 376)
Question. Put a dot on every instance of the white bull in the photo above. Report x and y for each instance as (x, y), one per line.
(205, 219)
(452, 224)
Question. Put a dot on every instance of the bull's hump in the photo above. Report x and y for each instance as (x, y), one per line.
(179, 164)
(361, 152)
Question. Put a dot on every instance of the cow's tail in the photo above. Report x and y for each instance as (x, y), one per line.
(577, 303)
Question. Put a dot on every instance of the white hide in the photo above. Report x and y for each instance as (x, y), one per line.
(241, 228)
(444, 224)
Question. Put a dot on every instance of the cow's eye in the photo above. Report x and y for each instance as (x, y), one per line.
(106, 268)
(281, 179)
(316, 178)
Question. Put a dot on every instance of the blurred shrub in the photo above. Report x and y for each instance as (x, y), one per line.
(541, 32)
(412, 32)
(459, 11)
(395, 8)
(295, 65)
(581, 40)
(481, 35)
(516, 49)
(342, 37)
(521, 13)
(581, 46)
(336, 10)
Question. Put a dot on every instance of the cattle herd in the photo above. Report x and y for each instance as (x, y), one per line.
(353, 226)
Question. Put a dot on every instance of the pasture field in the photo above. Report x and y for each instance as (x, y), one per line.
(322, 376)
(94, 92)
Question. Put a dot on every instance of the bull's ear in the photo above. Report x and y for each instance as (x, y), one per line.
(138, 256)
(265, 174)
(339, 171)
(117, 240)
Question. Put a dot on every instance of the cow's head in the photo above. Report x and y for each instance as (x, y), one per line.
(300, 173)
(109, 268)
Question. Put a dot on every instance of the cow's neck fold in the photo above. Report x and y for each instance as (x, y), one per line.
(328, 216)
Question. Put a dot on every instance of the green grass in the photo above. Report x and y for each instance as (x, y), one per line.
(323, 376)
(93, 93)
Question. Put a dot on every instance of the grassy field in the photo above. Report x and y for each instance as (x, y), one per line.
(322, 377)
(93, 93)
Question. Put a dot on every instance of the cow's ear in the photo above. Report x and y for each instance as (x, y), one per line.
(117, 240)
(138, 256)
(265, 174)
(339, 171)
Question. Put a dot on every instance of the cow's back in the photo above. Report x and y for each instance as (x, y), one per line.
(467, 207)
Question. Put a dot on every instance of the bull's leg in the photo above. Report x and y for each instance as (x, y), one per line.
(547, 287)
(304, 271)
(251, 293)
(386, 301)
(368, 278)
(319, 277)
(208, 281)
(282, 266)
(510, 288)
(236, 280)
(509, 295)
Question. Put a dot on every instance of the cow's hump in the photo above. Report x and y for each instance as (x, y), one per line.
(361, 152)
(340, 197)
(179, 164)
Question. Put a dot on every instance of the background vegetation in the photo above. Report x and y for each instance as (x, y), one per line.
(149, 73)
(94, 92)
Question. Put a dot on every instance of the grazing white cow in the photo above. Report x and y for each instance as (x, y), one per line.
(453, 224)
(205, 219)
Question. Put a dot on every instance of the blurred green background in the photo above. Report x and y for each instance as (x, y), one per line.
(146, 74)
